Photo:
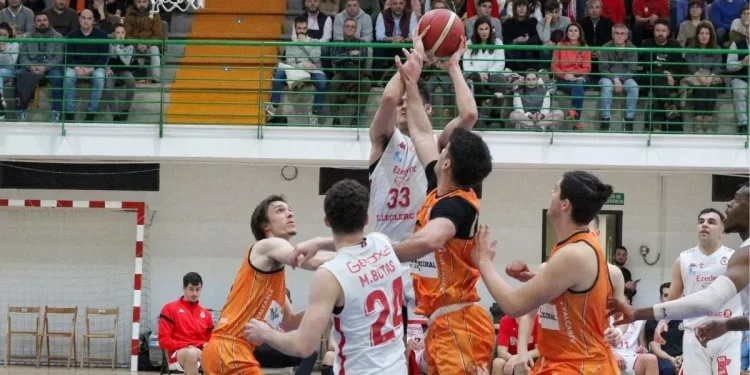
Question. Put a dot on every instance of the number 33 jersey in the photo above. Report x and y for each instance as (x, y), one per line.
(368, 330)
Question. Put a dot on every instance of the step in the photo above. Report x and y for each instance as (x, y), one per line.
(203, 78)
(238, 27)
(214, 108)
(242, 6)
(225, 54)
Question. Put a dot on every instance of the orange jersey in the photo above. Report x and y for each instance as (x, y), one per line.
(255, 294)
(456, 274)
(571, 335)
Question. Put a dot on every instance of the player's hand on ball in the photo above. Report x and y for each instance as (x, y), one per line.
(484, 248)
(710, 330)
(410, 71)
(616, 306)
(255, 331)
(455, 59)
(519, 270)
(418, 45)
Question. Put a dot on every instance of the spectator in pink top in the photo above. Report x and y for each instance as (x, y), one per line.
(571, 69)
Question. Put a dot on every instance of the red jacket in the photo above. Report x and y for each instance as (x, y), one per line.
(183, 324)
(571, 62)
(645, 8)
(614, 10)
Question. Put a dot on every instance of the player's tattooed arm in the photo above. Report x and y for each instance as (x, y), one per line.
(302, 342)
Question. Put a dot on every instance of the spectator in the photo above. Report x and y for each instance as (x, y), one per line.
(37, 6)
(572, 9)
(669, 354)
(19, 15)
(597, 30)
(61, 17)
(647, 12)
(705, 69)
(663, 69)
(571, 68)
(484, 10)
(507, 345)
(738, 68)
(184, 325)
(485, 66)
(533, 10)
(413, 6)
(8, 53)
(471, 10)
(36, 61)
(631, 354)
(117, 7)
(103, 20)
(696, 15)
(120, 74)
(723, 12)
(681, 13)
(370, 7)
(395, 24)
(301, 57)
(552, 30)
(621, 257)
(614, 10)
(361, 19)
(521, 30)
(84, 61)
(319, 25)
(351, 73)
(531, 105)
(739, 26)
(139, 24)
(618, 74)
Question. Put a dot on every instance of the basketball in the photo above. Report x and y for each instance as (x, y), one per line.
(444, 36)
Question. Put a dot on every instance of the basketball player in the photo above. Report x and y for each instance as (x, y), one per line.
(362, 286)
(397, 180)
(572, 305)
(716, 295)
(459, 339)
(631, 354)
(519, 270)
(259, 290)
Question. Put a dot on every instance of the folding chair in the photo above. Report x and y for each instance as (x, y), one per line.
(88, 335)
(46, 333)
(15, 310)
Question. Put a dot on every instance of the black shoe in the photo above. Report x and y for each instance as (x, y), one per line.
(604, 124)
(121, 117)
(90, 117)
(70, 117)
(629, 124)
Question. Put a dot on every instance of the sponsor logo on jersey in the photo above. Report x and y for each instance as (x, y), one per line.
(419, 264)
(374, 258)
(397, 156)
(724, 261)
(702, 279)
(691, 269)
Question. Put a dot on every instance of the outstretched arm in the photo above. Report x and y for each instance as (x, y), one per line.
(302, 342)
(384, 123)
(467, 106)
(432, 237)
(281, 251)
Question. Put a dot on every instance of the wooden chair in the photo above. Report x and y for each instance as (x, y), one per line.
(88, 335)
(24, 311)
(46, 333)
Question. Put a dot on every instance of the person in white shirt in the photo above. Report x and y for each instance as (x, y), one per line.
(484, 66)
(631, 354)
(738, 68)
(531, 105)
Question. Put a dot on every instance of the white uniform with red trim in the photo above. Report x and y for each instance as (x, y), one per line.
(398, 188)
(721, 356)
(368, 330)
(628, 345)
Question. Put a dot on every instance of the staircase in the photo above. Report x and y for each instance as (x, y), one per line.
(223, 84)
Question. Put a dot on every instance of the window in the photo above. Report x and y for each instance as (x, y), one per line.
(610, 233)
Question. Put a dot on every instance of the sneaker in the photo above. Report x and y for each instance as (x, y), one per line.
(55, 116)
(90, 117)
(579, 126)
(313, 119)
(23, 115)
(572, 115)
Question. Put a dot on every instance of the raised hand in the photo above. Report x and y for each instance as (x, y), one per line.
(410, 71)
(455, 59)
(484, 250)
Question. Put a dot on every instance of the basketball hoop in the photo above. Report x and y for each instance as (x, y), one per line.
(170, 5)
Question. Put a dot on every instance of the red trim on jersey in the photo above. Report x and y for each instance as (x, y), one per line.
(342, 356)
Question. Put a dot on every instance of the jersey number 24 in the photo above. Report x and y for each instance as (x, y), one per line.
(378, 297)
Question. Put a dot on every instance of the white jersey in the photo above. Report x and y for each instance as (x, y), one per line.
(699, 271)
(368, 331)
(629, 341)
(398, 188)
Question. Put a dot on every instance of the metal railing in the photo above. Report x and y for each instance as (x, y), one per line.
(246, 83)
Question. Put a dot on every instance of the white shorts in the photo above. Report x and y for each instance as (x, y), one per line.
(415, 322)
(174, 365)
(721, 357)
(630, 358)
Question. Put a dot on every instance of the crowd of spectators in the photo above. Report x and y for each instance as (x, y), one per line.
(30, 57)
(520, 88)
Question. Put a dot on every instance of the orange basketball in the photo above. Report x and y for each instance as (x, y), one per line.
(444, 36)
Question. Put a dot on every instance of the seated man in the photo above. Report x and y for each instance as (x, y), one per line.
(738, 67)
(618, 70)
(140, 24)
(631, 354)
(670, 354)
(507, 345)
(85, 60)
(531, 105)
(351, 77)
(185, 327)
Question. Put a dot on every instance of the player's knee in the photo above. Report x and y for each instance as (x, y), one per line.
(497, 366)
(328, 358)
(189, 356)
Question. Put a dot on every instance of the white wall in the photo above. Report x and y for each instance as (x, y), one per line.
(202, 214)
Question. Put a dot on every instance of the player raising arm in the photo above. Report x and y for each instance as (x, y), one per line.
(362, 286)
(572, 313)
(718, 293)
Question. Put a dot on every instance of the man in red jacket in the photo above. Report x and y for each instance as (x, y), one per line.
(185, 327)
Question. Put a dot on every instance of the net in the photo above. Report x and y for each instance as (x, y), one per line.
(66, 258)
(170, 5)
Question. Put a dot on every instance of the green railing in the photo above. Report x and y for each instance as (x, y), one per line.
(237, 83)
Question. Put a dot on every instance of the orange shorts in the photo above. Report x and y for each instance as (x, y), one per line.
(229, 357)
(546, 367)
(460, 343)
